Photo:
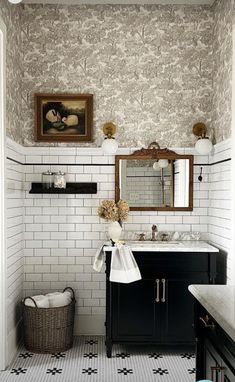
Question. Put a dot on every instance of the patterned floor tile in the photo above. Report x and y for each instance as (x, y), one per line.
(87, 361)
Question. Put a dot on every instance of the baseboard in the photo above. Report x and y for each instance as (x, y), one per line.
(89, 325)
(14, 339)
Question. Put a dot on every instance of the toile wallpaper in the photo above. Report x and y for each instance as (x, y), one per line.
(222, 84)
(11, 16)
(154, 70)
(149, 67)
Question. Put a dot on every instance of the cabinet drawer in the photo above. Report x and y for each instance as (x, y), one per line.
(173, 261)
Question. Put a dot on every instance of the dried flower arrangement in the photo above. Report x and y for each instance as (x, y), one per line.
(109, 210)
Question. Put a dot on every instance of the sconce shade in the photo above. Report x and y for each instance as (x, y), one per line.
(163, 163)
(110, 146)
(156, 166)
(15, 1)
(204, 146)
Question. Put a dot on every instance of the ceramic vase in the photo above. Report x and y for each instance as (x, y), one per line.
(114, 231)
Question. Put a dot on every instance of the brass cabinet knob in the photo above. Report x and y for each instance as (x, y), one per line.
(207, 322)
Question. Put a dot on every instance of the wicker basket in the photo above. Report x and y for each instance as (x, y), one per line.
(48, 330)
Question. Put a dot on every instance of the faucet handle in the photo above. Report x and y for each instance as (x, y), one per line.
(142, 237)
(164, 237)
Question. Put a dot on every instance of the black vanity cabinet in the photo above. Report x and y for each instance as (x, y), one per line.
(159, 308)
(216, 369)
(215, 350)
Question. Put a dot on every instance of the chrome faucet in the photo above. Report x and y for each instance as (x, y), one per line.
(154, 232)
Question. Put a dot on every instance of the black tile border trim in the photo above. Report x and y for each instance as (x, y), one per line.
(214, 163)
(15, 161)
(103, 164)
(59, 164)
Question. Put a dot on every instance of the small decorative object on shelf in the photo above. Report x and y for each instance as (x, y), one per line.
(116, 213)
(59, 180)
(47, 180)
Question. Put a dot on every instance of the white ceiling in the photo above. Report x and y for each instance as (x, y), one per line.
(189, 2)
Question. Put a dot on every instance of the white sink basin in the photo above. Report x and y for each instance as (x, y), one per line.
(155, 243)
(168, 246)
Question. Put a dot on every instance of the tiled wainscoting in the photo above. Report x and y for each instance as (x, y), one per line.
(14, 241)
(62, 232)
(220, 225)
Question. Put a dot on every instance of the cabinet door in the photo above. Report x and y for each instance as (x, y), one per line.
(216, 370)
(226, 373)
(134, 311)
(211, 364)
(228, 376)
(177, 310)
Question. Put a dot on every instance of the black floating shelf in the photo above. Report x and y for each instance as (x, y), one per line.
(71, 188)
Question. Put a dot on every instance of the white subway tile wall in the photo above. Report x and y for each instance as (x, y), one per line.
(73, 231)
(144, 185)
(14, 239)
(63, 232)
(220, 224)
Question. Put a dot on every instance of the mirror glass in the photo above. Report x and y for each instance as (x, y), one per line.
(150, 184)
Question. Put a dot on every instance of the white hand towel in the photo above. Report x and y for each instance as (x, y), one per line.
(124, 268)
(99, 259)
(41, 301)
(58, 299)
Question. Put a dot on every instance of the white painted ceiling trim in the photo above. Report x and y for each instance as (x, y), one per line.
(162, 2)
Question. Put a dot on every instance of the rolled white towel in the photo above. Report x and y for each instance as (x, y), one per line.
(41, 301)
(66, 293)
(58, 299)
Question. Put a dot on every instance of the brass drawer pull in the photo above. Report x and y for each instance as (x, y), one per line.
(163, 290)
(207, 322)
(217, 369)
(157, 299)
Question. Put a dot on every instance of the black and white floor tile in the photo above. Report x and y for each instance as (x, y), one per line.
(87, 361)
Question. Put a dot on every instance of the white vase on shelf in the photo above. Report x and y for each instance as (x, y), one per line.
(114, 231)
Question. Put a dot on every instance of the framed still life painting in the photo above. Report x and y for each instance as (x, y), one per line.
(63, 117)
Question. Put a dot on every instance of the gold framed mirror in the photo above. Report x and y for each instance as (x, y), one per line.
(155, 179)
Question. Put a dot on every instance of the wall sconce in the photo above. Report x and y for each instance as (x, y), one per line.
(110, 145)
(160, 163)
(156, 167)
(163, 163)
(203, 144)
(15, 1)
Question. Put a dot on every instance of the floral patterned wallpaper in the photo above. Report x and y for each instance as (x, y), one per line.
(222, 83)
(11, 16)
(154, 70)
(149, 67)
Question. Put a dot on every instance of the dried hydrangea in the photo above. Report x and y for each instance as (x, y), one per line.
(123, 210)
(109, 210)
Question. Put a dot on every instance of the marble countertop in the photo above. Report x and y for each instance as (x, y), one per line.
(219, 301)
(168, 246)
